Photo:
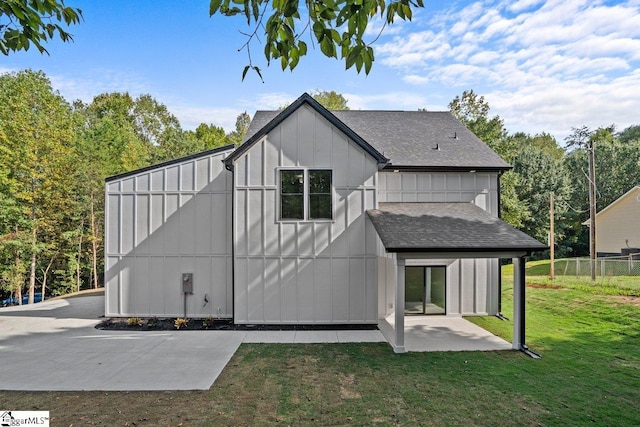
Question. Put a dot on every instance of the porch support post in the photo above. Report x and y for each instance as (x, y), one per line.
(519, 286)
(399, 313)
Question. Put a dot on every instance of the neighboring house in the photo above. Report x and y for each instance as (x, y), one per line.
(618, 225)
(319, 217)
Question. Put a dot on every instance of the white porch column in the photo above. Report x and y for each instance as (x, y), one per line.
(399, 314)
(518, 303)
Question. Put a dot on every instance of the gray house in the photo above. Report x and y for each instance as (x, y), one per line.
(319, 217)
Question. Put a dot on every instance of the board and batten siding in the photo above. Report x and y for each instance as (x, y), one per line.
(618, 225)
(472, 284)
(161, 223)
(315, 272)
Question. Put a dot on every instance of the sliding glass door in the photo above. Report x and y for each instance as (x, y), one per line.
(425, 290)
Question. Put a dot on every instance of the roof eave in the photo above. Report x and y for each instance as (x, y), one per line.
(305, 98)
(169, 162)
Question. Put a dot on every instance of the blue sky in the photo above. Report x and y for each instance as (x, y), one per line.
(542, 65)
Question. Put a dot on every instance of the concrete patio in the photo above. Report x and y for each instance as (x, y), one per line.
(54, 345)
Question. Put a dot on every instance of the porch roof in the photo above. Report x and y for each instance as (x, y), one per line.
(446, 227)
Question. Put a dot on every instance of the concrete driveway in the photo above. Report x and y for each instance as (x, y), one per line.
(53, 345)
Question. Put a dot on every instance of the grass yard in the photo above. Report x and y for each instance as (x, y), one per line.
(589, 374)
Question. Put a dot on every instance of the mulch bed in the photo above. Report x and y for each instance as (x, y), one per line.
(169, 324)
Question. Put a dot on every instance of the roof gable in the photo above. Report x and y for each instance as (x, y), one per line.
(412, 139)
(618, 201)
(259, 128)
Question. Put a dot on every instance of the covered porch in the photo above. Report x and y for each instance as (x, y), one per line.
(432, 231)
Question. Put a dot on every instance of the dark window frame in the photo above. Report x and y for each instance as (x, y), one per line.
(311, 208)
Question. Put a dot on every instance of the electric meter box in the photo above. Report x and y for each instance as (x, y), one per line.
(187, 283)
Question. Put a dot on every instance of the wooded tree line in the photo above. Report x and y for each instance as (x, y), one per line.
(55, 155)
(54, 158)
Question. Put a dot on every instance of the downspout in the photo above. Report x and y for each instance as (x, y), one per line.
(522, 301)
(499, 315)
(230, 168)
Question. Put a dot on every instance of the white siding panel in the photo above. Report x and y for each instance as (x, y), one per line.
(241, 222)
(306, 133)
(289, 135)
(322, 300)
(156, 291)
(371, 289)
(272, 297)
(142, 223)
(241, 297)
(305, 239)
(113, 187)
(256, 290)
(172, 178)
(289, 234)
(141, 286)
(204, 222)
(340, 290)
(255, 219)
(271, 155)
(127, 215)
(322, 145)
(142, 182)
(157, 180)
(467, 286)
(187, 180)
(255, 165)
(219, 218)
(289, 293)
(113, 231)
(156, 238)
(339, 160)
(357, 290)
(187, 231)
(202, 173)
(112, 286)
(305, 291)
(481, 283)
(127, 185)
(271, 237)
(127, 290)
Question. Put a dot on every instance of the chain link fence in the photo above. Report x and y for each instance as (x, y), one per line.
(628, 265)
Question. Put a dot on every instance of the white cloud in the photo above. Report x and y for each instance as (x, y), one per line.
(543, 65)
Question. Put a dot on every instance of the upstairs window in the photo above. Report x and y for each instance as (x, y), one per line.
(306, 191)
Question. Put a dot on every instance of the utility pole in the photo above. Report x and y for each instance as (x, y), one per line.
(552, 272)
(592, 207)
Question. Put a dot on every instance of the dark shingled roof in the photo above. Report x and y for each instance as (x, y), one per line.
(412, 139)
(446, 227)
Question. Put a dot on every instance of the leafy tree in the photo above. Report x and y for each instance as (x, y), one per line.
(242, 125)
(27, 22)
(473, 111)
(331, 100)
(337, 26)
(542, 173)
(632, 133)
(37, 130)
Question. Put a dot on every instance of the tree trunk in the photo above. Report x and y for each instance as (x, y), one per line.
(94, 245)
(32, 272)
(18, 291)
(78, 282)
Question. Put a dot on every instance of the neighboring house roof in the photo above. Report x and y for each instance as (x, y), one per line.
(446, 227)
(266, 123)
(613, 204)
(170, 162)
(410, 139)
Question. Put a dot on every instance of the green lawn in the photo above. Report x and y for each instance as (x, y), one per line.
(589, 374)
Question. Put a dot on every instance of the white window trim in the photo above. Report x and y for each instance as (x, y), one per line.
(305, 196)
